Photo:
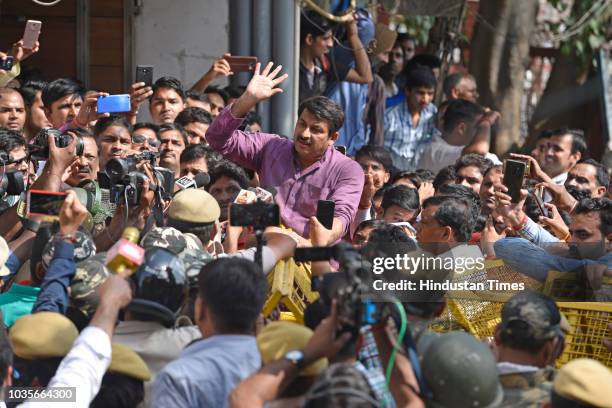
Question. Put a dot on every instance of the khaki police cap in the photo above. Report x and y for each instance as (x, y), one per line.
(194, 205)
(42, 335)
(126, 362)
(586, 381)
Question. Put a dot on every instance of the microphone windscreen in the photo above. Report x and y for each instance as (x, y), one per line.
(202, 179)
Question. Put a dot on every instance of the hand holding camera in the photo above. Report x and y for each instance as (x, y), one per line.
(20, 53)
(139, 94)
(325, 341)
(512, 212)
(535, 171)
(555, 222)
(89, 112)
(220, 68)
(72, 214)
(60, 148)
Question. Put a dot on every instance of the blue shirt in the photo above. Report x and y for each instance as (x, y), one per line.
(352, 98)
(403, 138)
(531, 260)
(206, 372)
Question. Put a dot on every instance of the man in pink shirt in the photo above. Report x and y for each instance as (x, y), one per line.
(302, 171)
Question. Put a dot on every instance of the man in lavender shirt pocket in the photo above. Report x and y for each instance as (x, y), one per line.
(302, 171)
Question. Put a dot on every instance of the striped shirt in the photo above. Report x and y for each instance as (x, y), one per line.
(405, 140)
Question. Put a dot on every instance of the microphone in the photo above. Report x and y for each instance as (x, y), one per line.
(200, 180)
(265, 195)
(126, 254)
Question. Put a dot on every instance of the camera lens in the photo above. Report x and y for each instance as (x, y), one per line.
(117, 169)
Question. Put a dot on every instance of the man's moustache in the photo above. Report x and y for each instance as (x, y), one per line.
(578, 193)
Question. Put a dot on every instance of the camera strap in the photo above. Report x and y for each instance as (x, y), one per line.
(412, 354)
(158, 212)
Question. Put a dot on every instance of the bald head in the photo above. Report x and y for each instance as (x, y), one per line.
(12, 109)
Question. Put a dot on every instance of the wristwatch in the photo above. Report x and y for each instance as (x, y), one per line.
(296, 357)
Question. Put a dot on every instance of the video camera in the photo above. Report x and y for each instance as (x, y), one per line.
(125, 181)
(350, 286)
(39, 149)
(11, 180)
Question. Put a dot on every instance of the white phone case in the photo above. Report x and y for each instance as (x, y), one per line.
(31, 33)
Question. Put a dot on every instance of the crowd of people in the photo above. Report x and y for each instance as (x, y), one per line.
(182, 326)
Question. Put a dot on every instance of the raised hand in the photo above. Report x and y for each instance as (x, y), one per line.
(264, 85)
(511, 212)
(555, 222)
(72, 214)
(368, 192)
(139, 93)
(89, 111)
(535, 170)
(220, 68)
(20, 53)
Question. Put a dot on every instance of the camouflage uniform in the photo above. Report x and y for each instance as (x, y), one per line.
(89, 275)
(527, 390)
(165, 237)
(84, 247)
(186, 246)
(194, 260)
(540, 320)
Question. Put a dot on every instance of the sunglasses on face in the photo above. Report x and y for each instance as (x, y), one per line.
(140, 139)
(23, 160)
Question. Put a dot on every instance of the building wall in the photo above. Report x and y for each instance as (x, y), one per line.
(181, 38)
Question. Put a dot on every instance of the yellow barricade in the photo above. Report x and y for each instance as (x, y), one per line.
(290, 285)
(481, 313)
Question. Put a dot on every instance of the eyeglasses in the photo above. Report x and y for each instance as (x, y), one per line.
(140, 139)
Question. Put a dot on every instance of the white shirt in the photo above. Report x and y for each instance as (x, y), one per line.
(439, 154)
(558, 180)
(83, 367)
(506, 367)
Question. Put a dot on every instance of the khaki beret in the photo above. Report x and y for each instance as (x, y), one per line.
(42, 335)
(278, 338)
(126, 362)
(586, 381)
(194, 205)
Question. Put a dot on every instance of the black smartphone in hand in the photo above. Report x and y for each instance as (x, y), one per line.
(144, 73)
(514, 173)
(325, 213)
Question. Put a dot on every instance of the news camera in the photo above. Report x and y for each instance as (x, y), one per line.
(39, 149)
(125, 181)
(350, 286)
(11, 180)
